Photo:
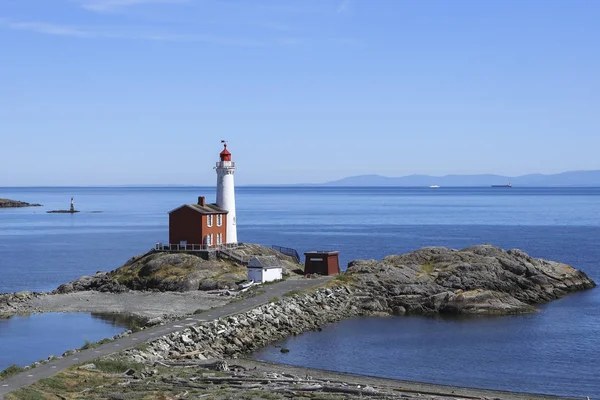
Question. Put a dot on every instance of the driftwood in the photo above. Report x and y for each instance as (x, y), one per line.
(215, 365)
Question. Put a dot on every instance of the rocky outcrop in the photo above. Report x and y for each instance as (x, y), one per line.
(6, 203)
(10, 303)
(246, 332)
(477, 280)
(176, 272)
(101, 282)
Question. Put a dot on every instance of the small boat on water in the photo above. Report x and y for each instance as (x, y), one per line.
(434, 186)
(505, 186)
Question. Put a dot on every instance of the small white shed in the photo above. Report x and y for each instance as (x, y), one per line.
(263, 269)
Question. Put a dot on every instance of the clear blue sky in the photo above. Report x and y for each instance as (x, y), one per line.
(97, 92)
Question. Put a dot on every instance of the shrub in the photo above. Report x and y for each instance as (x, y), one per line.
(116, 366)
(10, 371)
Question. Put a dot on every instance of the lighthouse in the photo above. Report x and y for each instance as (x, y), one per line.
(226, 191)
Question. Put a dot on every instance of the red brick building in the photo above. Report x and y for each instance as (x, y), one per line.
(198, 224)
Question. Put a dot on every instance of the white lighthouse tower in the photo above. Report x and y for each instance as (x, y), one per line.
(226, 193)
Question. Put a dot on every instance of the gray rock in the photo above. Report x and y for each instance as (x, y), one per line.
(491, 281)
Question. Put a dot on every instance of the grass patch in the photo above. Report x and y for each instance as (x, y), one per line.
(64, 385)
(274, 299)
(427, 268)
(344, 277)
(10, 371)
(92, 345)
(26, 393)
(54, 382)
(293, 293)
(274, 282)
(116, 366)
(142, 346)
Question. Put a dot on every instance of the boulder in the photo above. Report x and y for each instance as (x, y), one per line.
(477, 280)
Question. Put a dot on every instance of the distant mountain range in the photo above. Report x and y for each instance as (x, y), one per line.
(570, 178)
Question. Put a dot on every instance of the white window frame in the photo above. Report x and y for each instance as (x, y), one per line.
(209, 220)
(219, 239)
(209, 240)
(219, 219)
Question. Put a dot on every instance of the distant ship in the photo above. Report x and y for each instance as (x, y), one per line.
(434, 186)
(507, 185)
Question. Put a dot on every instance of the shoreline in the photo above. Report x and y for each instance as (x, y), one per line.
(426, 388)
(325, 297)
(231, 331)
(8, 203)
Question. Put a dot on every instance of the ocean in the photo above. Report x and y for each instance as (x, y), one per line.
(554, 351)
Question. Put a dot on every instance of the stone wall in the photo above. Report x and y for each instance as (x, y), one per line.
(244, 333)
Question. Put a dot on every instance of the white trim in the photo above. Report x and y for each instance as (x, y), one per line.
(209, 220)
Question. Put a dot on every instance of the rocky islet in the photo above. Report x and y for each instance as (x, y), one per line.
(7, 203)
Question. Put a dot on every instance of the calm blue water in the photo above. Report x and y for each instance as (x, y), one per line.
(26, 339)
(555, 351)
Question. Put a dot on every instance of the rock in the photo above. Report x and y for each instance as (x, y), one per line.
(6, 203)
(87, 367)
(65, 288)
(478, 280)
(492, 281)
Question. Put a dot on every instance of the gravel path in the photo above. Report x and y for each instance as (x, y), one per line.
(140, 304)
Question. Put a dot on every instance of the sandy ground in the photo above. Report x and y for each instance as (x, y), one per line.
(140, 304)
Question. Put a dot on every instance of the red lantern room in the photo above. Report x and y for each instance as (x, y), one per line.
(225, 154)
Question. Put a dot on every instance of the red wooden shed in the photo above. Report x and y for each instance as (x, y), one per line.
(322, 262)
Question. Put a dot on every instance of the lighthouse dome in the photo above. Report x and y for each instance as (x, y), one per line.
(225, 154)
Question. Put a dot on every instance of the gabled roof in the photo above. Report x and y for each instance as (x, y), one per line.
(207, 209)
(264, 262)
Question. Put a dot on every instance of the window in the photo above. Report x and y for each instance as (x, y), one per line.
(209, 220)
(219, 238)
(219, 219)
(209, 240)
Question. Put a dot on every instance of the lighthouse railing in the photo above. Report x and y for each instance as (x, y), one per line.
(171, 247)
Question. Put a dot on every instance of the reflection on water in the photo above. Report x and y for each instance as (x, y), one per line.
(121, 320)
(25, 339)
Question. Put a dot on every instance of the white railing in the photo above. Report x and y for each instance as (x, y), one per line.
(225, 164)
(193, 247)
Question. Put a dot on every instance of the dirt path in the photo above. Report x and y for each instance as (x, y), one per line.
(141, 304)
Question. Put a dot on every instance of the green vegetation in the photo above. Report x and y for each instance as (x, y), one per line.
(427, 268)
(93, 345)
(274, 299)
(271, 282)
(165, 270)
(54, 382)
(344, 278)
(293, 293)
(10, 371)
(142, 346)
(116, 366)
